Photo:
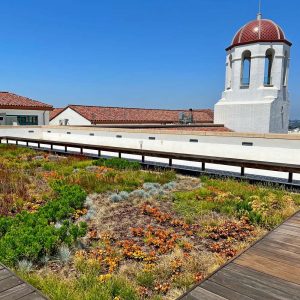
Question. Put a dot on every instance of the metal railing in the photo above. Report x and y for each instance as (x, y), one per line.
(235, 162)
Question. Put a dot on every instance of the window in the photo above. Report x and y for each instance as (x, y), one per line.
(193, 141)
(285, 68)
(118, 136)
(268, 67)
(92, 134)
(246, 69)
(68, 132)
(229, 72)
(27, 120)
(151, 137)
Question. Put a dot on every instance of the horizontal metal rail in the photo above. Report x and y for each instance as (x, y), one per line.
(242, 163)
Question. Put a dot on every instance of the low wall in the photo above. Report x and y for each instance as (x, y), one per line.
(263, 147)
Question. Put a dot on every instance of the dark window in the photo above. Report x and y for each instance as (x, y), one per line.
(247, 144)
(193, 140)
(92, 134)
(49, 131)
(68, 132)
(285, 68)
(268, 67)
(246, 69)
(31, 131)
(27, 120)
(151, 137)
(118, 136)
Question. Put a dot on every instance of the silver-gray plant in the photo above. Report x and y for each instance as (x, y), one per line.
(124, 195)
(25, 265)
(64, 254)
(115, 198)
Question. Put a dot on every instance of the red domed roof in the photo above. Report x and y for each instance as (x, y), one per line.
(260, 30)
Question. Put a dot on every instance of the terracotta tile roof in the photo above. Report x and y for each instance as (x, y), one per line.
(10, 100)
(55, 112)
(119, 115)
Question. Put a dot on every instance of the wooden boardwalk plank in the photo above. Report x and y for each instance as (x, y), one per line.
(9, 282)
(4, 274)
(201, 293)
(278, 255)
(281, 245)
(33, 296)
(270, 266)
(282, 254)
(278, 236)
(287, 287)
(223, 291)
(16, 292)
(270, 269)
(14, 288)
(247, 285)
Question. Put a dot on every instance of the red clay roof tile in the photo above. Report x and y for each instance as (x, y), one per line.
(10, 100)
(106, 115)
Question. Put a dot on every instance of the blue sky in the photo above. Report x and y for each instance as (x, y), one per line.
(141, 53)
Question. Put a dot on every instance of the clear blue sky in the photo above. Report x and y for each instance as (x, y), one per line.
(143, 53)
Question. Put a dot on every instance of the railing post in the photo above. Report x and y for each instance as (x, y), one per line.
(27, 143)
(170, 162)
(81, 150)
(203, 166)
(242, 171)
(120, 155)
(99, 153)
(143, 158)
(17, 142)
(39, 145)
(66, 148)
(51, 146)
(290, 180)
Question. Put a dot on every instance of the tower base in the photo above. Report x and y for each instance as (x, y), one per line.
(263, 116)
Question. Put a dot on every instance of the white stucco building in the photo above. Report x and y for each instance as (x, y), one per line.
(19, 110)
(256, 87)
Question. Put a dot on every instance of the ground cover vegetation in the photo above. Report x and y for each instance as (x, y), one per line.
(106, 229)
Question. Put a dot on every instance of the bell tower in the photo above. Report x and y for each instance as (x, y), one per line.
(256, 97)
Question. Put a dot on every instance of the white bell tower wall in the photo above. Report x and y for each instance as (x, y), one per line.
(258, 100)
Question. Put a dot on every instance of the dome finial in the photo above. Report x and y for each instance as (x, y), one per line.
(259, 15)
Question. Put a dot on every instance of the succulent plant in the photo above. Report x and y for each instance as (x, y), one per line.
(139, 194)
(169, 186)
(25, 265)
(45, 259)
(151, 186)
(58, 225)
(124, 195)
(88, 202)
(64, 254)
(115, 198)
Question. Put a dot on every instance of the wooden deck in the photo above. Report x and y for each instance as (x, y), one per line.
(270, 269)
(13, 288)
